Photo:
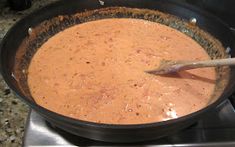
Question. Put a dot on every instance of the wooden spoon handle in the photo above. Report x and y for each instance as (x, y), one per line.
(171, 68)
(208, 63)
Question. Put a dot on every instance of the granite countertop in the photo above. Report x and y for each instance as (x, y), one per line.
(13, 112)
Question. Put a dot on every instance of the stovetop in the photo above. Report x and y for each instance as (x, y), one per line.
(217, 128)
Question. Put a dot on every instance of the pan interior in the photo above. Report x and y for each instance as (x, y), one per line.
(43, 31)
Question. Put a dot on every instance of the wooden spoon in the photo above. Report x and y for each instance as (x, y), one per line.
(167, 67)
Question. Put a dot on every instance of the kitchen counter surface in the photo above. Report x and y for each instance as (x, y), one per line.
(13, 112)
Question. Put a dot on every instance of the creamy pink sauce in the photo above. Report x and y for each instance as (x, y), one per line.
(95, 72)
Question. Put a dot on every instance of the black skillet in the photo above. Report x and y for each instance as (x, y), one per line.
(20, 43)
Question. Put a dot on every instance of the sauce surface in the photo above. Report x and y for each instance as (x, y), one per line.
(95, 72)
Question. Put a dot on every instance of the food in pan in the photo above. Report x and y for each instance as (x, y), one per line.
(95, 72)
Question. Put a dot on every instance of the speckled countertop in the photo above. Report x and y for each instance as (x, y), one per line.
(13, 112)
